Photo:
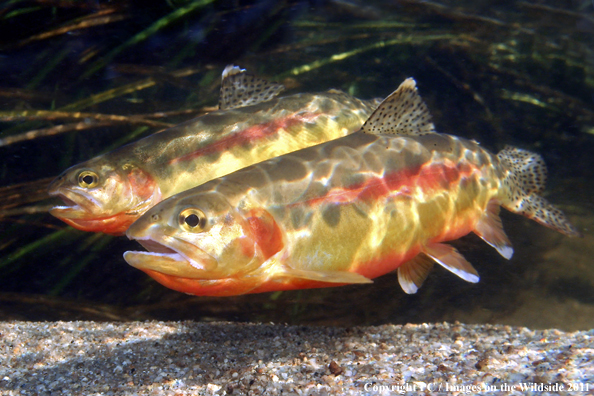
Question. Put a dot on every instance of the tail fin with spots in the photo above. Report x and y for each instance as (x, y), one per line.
(525, 180)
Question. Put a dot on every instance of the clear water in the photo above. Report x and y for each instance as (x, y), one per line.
(519, 73)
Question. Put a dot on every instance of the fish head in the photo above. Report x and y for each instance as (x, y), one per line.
(201, 237)
(100, 196)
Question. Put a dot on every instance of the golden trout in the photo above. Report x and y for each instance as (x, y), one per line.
(109, 192)
(345, 211)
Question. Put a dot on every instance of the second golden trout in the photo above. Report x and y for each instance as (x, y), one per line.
(345, 211)
(107, 193)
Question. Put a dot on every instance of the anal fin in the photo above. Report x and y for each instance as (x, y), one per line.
(413, 273)
(490, 229)
(449, 258)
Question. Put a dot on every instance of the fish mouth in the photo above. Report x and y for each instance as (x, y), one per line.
(83, 213)
(168, 258)
(76, 205)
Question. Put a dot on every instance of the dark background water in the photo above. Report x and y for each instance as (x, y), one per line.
(513, 72)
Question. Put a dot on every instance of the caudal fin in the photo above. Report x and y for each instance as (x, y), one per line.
(525, 180)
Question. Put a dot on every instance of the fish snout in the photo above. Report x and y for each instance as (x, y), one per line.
(54, 186)
(144, 226)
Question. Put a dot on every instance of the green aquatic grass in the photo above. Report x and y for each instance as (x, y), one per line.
(65, 235)
(117, 92)
(408, 40)
(49, 66)
(525, 98)
(86, 252)
(26, 9)
(148, 32)
(20, 11)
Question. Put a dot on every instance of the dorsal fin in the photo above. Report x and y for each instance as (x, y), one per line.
(239, 89)
(401, 113)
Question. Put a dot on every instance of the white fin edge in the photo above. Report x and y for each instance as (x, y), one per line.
(449, 258)
(413, 273)
(490, 229)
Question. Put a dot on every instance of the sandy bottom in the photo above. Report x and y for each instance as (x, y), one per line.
(189, 358)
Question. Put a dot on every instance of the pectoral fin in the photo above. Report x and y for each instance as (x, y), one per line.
(239, 89)
(325, 276)
(449, 258)
(490, 229)
(413, 273)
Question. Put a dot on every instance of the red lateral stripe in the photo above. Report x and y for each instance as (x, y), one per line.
(251, 135)
(428, 178)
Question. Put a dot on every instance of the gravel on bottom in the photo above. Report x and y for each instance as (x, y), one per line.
(189, 358)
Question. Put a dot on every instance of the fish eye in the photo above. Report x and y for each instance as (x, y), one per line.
(193, 220)
(87, 179)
